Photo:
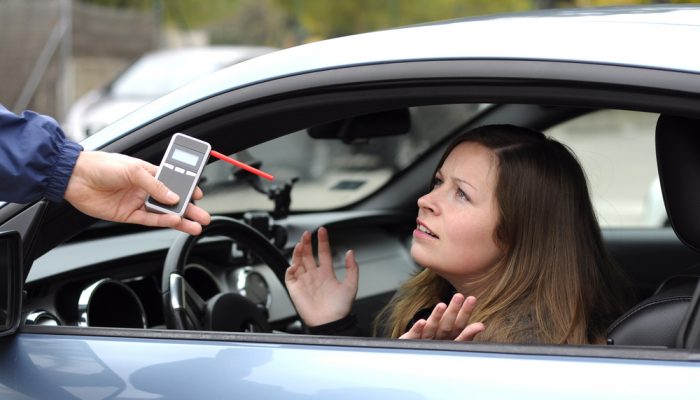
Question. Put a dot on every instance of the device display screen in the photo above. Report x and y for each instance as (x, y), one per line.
(185, 157)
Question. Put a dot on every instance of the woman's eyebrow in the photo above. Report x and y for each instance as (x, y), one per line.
(439, 174)
(466, 183)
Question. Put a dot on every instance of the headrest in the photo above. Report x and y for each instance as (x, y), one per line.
(678, 159)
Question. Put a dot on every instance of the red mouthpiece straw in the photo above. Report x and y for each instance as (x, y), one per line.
(242, 165)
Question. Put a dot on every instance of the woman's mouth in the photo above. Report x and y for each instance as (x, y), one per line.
(422, 229)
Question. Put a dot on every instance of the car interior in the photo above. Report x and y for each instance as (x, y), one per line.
(667, 318)
(378, 153)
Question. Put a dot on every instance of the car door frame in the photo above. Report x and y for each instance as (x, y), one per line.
(465, 80)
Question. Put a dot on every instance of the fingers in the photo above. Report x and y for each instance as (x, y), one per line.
(304, 257)
(325, 259)
(144, 179)
(433, 322)
(470, 332)
(198, 193)
(447, 327)
(449, 322)
(187, 226)
(197, 214)
(298, 260)
(464, 313)
(290, 275)
(296, 254)
(150, 168)
(416, 331)
(173, 221)
(154, 219)
(307, 252)
(352, 270)
(194, 218)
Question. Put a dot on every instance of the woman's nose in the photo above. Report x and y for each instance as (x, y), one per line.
(427, 202)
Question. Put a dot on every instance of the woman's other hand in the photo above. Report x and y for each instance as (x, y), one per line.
(318, 296)
(448, 322)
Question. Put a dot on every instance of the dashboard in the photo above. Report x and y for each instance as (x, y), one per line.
(116, 281)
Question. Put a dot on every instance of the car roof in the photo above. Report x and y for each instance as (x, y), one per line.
(218, 54)
(657, 37)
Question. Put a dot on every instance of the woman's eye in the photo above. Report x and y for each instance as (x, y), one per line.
(436, 182)
(462, 195)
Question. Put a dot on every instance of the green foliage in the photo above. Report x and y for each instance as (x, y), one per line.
(329, 18)
(254, 22)
(197, 14)
(288, 22)
(184, 14)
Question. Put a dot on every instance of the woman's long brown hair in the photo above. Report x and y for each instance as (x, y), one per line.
(555, 283)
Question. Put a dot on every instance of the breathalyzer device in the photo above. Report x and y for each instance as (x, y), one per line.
(180, 169)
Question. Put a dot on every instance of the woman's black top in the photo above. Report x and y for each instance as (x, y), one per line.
(349, 326)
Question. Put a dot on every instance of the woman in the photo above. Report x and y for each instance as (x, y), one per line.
(509, 222)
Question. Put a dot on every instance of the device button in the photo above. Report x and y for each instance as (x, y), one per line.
(190, 173)
(168, 165)
(180, 170)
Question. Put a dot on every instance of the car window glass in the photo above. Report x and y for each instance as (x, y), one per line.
(616, 150)
(331, 174)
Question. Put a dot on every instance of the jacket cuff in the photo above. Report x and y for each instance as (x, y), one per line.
(346, 326)
(62, 171)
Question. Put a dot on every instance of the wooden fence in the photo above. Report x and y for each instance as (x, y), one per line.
(96, 44)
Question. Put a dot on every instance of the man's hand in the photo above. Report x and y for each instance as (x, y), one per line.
(114, 187)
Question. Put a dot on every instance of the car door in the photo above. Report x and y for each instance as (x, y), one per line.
(77, 362)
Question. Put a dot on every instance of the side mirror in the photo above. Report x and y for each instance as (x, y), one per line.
(11, 280)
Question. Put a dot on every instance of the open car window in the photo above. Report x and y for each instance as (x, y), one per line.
(616, 150)
(331, 173)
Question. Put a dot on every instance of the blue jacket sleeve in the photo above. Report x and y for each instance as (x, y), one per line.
(36, 158)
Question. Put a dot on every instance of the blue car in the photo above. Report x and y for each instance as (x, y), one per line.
(352, 128)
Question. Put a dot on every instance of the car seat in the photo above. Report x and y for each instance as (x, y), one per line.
(656, 320)
(670, 318)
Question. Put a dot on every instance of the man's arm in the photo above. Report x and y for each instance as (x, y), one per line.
(38, 161)
(36, 158)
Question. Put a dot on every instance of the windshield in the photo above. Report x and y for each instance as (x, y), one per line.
(331, 174)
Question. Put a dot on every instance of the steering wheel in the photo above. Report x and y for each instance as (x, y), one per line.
(185, 309)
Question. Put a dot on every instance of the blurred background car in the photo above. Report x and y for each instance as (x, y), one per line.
(151, 76)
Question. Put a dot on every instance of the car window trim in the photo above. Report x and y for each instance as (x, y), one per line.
(587, 351)
(576, 74)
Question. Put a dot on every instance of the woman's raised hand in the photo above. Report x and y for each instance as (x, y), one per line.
(448, 322)
(318, 296)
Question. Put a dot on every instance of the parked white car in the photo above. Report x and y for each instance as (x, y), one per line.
(151, 76)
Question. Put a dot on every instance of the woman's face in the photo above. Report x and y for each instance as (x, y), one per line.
(454, 236)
